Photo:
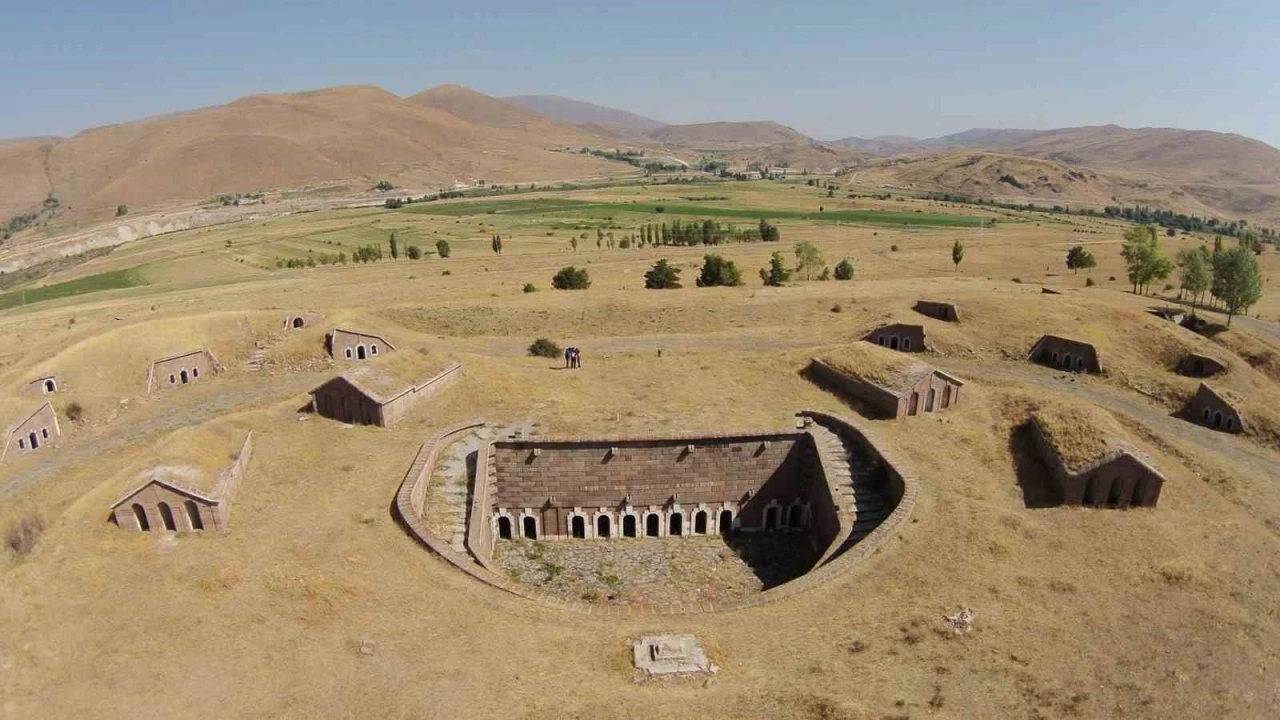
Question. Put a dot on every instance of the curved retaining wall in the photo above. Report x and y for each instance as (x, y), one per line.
(409, 499)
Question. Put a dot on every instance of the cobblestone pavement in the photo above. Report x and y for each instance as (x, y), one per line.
(656, 570)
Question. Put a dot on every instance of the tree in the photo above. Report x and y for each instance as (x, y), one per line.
(957, 253)
(599, 238)
(1193, 273)
(1142, 257)
(808, 259)
(573, 243)
(1080, 259)
(395, 248)
(571, 278)
(1236, 281)
(383, 186)
(442, 248)
(414, 252)
(769, 233)
(776, 273)
(495, 243)
(122, 210)
(716, 271)
(844, 270)
(390, 204)
(662, 276)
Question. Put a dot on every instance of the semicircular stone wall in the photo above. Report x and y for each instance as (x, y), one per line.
(825, 479)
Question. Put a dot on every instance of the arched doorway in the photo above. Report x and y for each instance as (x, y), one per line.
(1117, 487)
(166, 517)
(603, 529)
(193, 515)
(578, 526)
(504, 527)
(928, 400)
(1217, 419)
(914, 406)
(1139, 489)
(771, 518)
(141, 516)
(676, 524)
(184, 377)
(297, 322)
(34, 440)
(50, 385)
(530, 527)
(893, 343)
(795, 519)
(700, 522)
(946, 396)
(360, 352)
(629, 526)
(652, 525)
(726, 522)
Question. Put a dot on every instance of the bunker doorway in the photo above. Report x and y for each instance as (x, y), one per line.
(193, 515)
(530, 528)
(141, 516)
(676, 525)
(603, 529)
(700, 523)
(166, 517)
(578, 526)
(504, 528)
(726, 522)
(771, 518)
(629, 526)
(652, 525)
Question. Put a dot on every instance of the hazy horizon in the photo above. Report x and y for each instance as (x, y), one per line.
(926, 70)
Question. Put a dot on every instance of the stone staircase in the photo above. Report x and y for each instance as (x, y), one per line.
(458, 467)
(257, 360)
(855, 479)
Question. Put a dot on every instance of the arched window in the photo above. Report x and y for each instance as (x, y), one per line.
(771, 518)
(1066, 361)
(578, 526)
(140, 516)
(1217, 418)
(1230, 424)
(676, 524)
(360, 352)
(185, 378)
(700, 522)
(928, 400)
(166, 517)
(530, 527)
(348, 353)
(173, 379)
(44, 433)
(373, 349)
(652, 525)
(193, 515)
(629, 526)
(893, 343)
(1055, 357)
(795, 519)
(50, 385)
(1206, 415)
(726, 521)
(297, 323)
(34, 440)
(880, 340)
(946, 396)
(906, 343)
(504, 525)
(604, 527)
(195, 372)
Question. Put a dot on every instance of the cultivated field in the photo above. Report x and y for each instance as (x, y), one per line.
(317, 603)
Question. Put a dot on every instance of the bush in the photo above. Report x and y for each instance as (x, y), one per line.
(74, 411)
(545, 348)
(122, 210)
(384, 186)
(836, 308)
(414, 252)
(447, 272)
(893, 248)
(571, 278)
(393, 203)
(24, 534)
(1088, 282)
(776, 273)
(442, 248)
(716, 271)
(662, 276)
(844, 270)
(530, 288)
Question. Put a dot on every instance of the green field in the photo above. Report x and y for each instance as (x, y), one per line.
(114, 280)
(586, 208)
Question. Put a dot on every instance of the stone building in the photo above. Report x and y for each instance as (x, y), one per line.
(181, 499)
(182, 369)
(1198, 365)
(298, 321)
(938, 310)
(382, 393)
(46, 385)
(1065, 354)
(355, 345)
(887, 385)
(38, 430)
(1091, 461)
(898, 336)
(660, 487)
(1214, 409)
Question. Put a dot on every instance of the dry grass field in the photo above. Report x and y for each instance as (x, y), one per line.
(316, 603)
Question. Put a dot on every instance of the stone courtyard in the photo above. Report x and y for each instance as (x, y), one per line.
(657, 570)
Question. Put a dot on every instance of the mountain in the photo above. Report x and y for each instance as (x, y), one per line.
(485, 111)
(568, 110)
(261, 142)
(727, 135)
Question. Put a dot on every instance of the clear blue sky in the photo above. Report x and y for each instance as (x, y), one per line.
(829, 69)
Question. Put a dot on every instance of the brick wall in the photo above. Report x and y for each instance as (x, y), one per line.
(877, 399)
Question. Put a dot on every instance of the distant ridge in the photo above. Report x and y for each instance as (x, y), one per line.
(578, 112)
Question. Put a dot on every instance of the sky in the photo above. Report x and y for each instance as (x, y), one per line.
(829, 69)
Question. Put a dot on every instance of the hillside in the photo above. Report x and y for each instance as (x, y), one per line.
(798, 155)
(276, 141)
(727, 135)
(490, 112)
(568, 110)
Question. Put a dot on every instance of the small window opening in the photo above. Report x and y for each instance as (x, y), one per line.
(173, 379)
(195, 372)
(185, 378)
(348, 353)
(50, 386)
(166, 517)
(193, 515)
(140, 516)
(373, 349)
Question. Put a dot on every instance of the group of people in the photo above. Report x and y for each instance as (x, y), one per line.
(572, 357)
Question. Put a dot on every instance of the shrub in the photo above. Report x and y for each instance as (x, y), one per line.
(442, 248)
(836, 308)
(716, 271)
(544, 348)
(893, 248)
(571, 278)
(74, 411)
(24, 534)
(776, 273)
(530, 288)
(1088, 282)
(844, 270)
(393, 203)
(447, 272)
(383, 186)
(414, 252)
(662, 276)
(122, 210)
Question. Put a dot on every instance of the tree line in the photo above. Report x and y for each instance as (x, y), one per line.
(1229, 275)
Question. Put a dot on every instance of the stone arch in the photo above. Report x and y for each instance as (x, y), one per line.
(675, 523)
(772, 516)
(577, 526)
(504, 528)
(166, 517)
(50, 385)
(906, 343)
(701, 522)
(529, 526)
(297, 322)
(1217, 418)
(361, 352)
(929, 399)
(604, 525)
(193, 516)
(797, 515)
(140, 517)
(724, 521)
(630, 525)
(184, 376)
(653, 524)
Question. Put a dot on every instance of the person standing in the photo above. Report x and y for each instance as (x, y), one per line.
(568, 357)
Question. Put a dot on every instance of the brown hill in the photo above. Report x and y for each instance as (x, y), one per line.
(798, 155)
(485, 111)
(727, 135)
(274, 141)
